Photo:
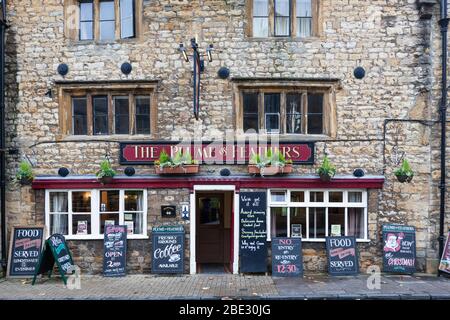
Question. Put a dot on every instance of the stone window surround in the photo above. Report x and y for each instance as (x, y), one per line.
(95, 213)
(325, 204)
(67, 89)
(72, 16)
(326, 86)
(317, 29)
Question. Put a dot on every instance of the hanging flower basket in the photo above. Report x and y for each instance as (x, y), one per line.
(404, 178)
(269, 170)
(25, 181)
(184, 169)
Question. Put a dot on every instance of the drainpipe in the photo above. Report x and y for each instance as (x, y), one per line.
(3, 137)
(443, 22)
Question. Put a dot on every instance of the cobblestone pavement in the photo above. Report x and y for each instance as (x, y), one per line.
(229, 287)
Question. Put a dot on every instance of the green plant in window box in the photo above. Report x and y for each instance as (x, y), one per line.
(24, 174)
(326, 171)
(181, 163)
(404, 173)
(269, 163)
(106, 173)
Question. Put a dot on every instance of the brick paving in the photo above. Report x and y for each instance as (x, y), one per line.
(140, 287)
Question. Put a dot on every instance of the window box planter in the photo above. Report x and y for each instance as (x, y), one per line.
(185, 169)
(269, 170)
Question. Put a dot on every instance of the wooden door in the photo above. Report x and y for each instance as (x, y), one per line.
(210, 228)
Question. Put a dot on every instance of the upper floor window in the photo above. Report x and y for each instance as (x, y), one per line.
(103, 20)
(286, 110)
(284, 18)
(120, 109)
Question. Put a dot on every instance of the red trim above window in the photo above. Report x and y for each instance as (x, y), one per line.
(189, 182)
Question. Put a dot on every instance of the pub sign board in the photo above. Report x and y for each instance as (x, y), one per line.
(55, 251)
(399, 249)
(168, 249)
(342, 256)
(115, 251)
(287, 258)
(252, 231)
(444, 266)
(212, 152)
(25, 250)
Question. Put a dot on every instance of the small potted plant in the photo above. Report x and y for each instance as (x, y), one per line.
(404, 173)
(25, 174)
(326, 171)
(181, 163)
(106, 173)
(270, 163)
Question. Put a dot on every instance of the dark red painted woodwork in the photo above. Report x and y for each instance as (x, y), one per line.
(189, 182)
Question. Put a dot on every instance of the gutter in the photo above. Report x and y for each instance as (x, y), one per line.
(443, 22)
(3, 27)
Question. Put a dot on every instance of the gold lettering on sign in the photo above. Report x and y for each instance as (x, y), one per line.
(297, 152)
(286, 152)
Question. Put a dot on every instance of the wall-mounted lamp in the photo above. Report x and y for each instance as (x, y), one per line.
(198, 69)
(182, 48)
(209, 52)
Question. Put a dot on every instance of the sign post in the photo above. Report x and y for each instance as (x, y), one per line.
(25, 249)
(168, 249)
(253, 233)
(115, 251)
(55, 251)
(342, 256)
(399, 249)
(444, 266)
(287, 258)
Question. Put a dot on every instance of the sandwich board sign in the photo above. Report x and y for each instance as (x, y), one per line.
(55, 251)
(24, 252)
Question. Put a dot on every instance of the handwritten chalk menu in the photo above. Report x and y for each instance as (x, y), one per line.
(287, 259)
(55, 251)
(25, 249)
(168, 249)
(342, 256)
(115, 251)
(399, 249)
(253, 233)
(444, 266)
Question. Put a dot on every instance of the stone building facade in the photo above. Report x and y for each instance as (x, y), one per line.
(370, 123)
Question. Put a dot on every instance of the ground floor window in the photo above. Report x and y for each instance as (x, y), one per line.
(316, 214)
(85, 213)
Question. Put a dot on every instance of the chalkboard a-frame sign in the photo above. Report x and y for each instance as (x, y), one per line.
(55, 251)
(25, 250)
(252, 232)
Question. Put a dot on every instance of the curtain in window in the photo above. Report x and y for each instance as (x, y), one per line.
(139, 216)
(355, 222)
(260, 18)
(127, 18)
(304, 18)
(282, 17)
(59, 225)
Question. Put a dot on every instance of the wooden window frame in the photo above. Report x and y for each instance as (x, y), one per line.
(66, 91)
(316, 30)
(72, 21)
(303, 88)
